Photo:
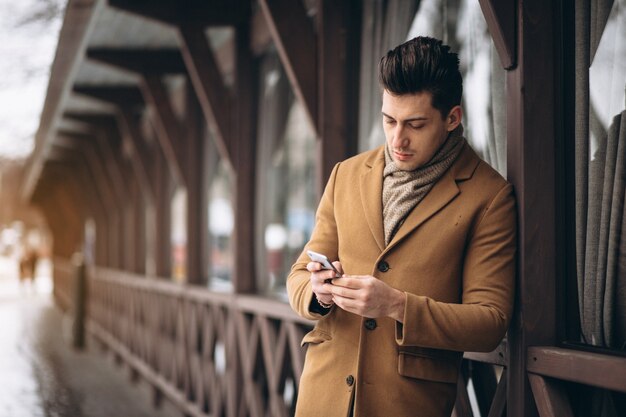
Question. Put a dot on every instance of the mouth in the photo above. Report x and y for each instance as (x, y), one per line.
(402, 156)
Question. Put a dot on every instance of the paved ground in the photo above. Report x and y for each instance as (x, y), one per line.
(42, 376)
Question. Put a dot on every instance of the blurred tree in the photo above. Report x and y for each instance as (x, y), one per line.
(42, 11)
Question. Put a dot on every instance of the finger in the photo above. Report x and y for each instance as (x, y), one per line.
(313, 266)
(347, 304)
(347, 282)
(343, 292)
(338, 266)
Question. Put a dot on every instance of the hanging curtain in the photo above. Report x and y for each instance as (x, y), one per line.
(600, 160)
(385, 25)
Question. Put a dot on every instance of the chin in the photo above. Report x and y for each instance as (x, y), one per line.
(407, 166)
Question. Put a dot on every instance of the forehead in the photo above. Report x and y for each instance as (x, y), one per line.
(407, 105)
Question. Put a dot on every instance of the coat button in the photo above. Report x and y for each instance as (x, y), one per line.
(370, 324)
(350, 380)
(383, 266)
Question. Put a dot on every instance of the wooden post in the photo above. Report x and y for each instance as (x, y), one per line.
(338, 60)
(80, 302)
(531, 168)
(244, 120)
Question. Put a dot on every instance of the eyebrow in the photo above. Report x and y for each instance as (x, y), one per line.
(412, 119)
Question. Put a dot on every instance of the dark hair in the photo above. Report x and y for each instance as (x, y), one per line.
(423, 64)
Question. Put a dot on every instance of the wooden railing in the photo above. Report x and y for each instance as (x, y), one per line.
(215, 354)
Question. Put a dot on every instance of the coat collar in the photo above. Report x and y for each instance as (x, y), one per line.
(440, 195)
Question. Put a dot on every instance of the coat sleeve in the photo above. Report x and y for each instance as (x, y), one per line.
(481, 320)
(323, 240)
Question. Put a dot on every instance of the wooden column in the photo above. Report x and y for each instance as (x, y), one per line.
(139, 230)
(531, 168)
(89, 151)
(162, 201)
(244, 123)
(338, 83)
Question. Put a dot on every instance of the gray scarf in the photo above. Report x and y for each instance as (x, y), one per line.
(403, 190)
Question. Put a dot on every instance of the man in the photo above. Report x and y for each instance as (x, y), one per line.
(423, 233)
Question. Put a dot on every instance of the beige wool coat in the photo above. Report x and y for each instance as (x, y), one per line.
(454, 257)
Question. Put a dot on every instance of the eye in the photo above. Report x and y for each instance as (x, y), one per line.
(390, 122)
(416, 126)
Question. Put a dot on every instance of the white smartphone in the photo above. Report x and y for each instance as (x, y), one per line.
(322, 259)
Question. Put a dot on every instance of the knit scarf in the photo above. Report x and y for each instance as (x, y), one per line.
(403, 190)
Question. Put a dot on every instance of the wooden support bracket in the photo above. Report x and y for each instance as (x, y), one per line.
(294, 37)
(550, 397)
(139, 158)
(502, 25)
(169, 129)
(214, 97)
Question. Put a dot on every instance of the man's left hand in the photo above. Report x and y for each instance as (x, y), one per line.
(367, 296)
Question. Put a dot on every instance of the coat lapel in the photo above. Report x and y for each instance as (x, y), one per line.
(371, 187)
(444, 191)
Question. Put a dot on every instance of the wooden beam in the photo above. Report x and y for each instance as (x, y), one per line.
(498, 356)
(214, 12)
(294, 37)
(104, 127)
(79, 19)
(462, 405)
(140, 61)
(502, 25)
(338, 108)
(214, 97)
(85, 145)
(260, 37)
(498, 405)
(586, 368)
(132, 135)
(122, 96)
(169, 130)
(550, 397)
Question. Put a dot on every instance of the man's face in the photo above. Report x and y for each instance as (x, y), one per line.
(414, 129)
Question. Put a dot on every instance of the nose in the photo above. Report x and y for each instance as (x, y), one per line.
(400, 140)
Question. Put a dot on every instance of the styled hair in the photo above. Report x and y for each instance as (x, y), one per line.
(423, 64)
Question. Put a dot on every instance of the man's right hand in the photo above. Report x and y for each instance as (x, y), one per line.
(318, 278)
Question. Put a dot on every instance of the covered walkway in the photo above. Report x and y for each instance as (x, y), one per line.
(40, 375)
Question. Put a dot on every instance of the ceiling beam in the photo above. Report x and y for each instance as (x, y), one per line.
(175, 12)
(121, 96)
(142, 61)
(294, 37)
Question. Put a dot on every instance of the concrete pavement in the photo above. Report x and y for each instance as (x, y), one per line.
(40, 373)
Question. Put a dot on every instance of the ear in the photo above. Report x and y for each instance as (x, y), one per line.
(455, 116)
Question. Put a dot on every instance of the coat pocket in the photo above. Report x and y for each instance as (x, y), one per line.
(315, 336)
(430, 367)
